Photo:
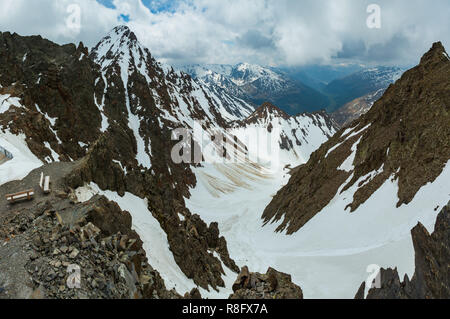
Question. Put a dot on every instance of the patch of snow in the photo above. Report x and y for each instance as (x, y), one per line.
(23, 161)
(347, 165)
(333, 148)
(52, 121)
(358, 132)
(6, 101)
(83, 145)
(124, 169)
(105, 124)
(55, 155)
(446, 55)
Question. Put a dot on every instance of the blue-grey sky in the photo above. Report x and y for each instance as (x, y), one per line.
(267, 32)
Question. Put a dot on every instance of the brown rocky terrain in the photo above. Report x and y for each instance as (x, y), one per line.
(406, 132)
(41, 239)
(271, 285)
(431, 279)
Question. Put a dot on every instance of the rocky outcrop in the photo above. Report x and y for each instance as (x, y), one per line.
(431, 279)
(271, 285)
(54, 238)
(55, 85)
(405, 135)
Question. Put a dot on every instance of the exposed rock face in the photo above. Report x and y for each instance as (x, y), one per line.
(56, 87)
(271, 285)
(431, 279)
(406, 134)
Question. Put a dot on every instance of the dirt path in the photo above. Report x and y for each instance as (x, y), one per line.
(56, 171)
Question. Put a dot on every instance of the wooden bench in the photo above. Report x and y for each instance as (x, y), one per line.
(44, 183)
(47, 185)
(25, 195)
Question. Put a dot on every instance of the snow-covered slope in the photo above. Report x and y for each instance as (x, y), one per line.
(121, 52)
(330, 255)
(295, 137)
(22, 160)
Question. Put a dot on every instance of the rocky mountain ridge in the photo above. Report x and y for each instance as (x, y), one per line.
(394, 138)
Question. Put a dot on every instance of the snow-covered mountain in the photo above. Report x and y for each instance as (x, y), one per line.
(122, 48)
(258, 84)
(104, 121)
(240, 74)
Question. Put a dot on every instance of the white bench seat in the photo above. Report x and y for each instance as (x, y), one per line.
(25, 195)
(47, 184)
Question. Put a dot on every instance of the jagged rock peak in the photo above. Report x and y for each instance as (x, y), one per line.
(437, 53)
(266, 111)
(120, 41)
(431, 277)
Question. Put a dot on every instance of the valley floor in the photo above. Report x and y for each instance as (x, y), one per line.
(329, 256)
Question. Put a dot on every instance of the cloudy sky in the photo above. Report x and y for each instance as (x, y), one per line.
(267, 32)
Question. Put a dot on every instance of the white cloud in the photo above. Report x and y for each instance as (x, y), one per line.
(271, 32)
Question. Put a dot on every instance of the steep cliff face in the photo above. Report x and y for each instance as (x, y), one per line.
(405, 136)
(54, 88)
(431, 279)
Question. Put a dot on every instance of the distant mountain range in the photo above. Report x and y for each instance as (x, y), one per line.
(296, 90)
(257, 84)
(363, 82)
